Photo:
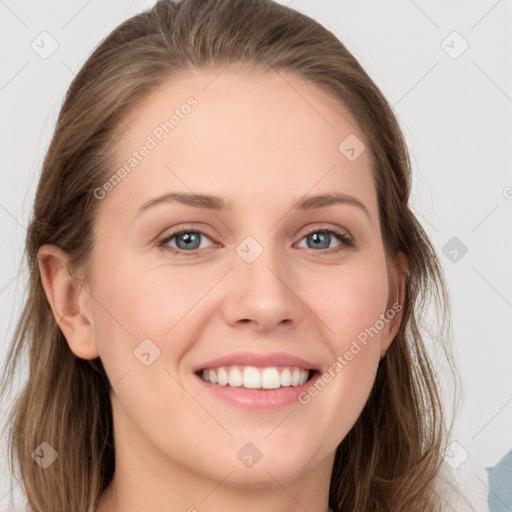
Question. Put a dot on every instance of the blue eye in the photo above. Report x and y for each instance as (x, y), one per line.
(188, 242)
(321, 239)
(185, 240)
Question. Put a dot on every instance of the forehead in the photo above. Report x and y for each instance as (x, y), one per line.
(241, 133)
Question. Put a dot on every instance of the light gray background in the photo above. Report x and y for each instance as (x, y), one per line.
(456, 114)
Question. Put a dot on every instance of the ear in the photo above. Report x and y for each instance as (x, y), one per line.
(395, 304)
(69, 300)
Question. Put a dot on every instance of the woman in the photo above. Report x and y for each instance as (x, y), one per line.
(227, 283)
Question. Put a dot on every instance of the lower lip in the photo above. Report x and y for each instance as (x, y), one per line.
(268, 399)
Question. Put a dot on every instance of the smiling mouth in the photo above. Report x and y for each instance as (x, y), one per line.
(254, 378)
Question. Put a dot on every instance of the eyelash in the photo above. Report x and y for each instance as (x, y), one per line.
(346, 241)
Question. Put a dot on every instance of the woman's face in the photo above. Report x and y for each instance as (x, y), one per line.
(265, 285)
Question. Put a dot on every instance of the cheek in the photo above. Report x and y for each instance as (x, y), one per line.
(352, 308)
(149, 301)
(351, 303)
(133, 304)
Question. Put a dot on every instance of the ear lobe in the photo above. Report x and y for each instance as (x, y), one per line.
(394, 312)
(69, 301)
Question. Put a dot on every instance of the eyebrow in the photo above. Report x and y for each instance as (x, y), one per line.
(219, 204)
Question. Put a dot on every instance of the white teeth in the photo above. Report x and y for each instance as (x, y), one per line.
(256, 378)
(222, 376)
(270, 378)
(286, 377)
(251, 378)
(235, 377)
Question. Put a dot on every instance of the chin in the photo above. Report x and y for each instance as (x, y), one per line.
(260, 463)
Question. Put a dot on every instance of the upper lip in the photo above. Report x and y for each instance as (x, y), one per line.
(258, 360)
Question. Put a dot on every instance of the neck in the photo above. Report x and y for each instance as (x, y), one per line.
(116, 500)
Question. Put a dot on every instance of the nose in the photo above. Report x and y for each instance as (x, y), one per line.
(261, 295)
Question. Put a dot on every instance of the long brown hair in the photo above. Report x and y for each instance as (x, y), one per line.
(391, 458)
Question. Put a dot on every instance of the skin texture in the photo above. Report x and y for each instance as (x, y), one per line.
(261, 141)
